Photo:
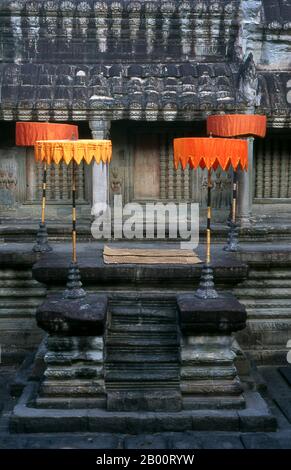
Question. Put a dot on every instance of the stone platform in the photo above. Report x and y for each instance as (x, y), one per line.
(26, 419)
(142, 383)
(259, 276)
(51, 269)
(276, 389)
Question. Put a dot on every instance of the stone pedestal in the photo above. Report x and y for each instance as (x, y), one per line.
(148, 387)
(74, 374)
(208, 375)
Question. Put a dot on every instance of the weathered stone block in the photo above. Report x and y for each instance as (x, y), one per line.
(256, 415)
(85, 316)
(208, 374)
(130, 400)
(216, 420)
(222, 315)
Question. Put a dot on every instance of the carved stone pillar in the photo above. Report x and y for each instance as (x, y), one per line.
(245, 189)
(99, 130)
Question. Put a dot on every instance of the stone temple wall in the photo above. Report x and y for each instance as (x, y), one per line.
(89, 31)
(94, 31)
(144, 60)
(147, 61)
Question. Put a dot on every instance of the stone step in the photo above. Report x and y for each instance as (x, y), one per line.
(141, 356)
(197, 373)
(73, 372)
(72, 403)
(73, 343)
(211, 387)
(194, 358)
(12, 325)
(17, 312)
(19, 303)
(141, 328)
(263, 302)
(72, 388)
(266, 293)
(262, 313)
(11, 274)
(133, 307)
(271, 326)
(266, 283)
(22, 292)
(146, 340)
(141, 319)
(200, 402)
(275, 273)
(145, 375)
(146, 399)
(20, 283)
(255, 417)
(149, 315)
(172, 383)
(92, 357)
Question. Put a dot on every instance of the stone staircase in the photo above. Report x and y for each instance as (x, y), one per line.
(20, 295)
(266, 295)
(142, 356)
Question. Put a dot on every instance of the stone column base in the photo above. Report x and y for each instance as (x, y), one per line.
(74, 375)
(209, 377)
(74, 359)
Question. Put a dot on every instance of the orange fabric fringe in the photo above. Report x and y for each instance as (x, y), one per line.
(27, 133)
(206, 152)
(56, 150)
(231, 125)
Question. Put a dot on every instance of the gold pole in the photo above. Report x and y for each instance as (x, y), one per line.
(41, 245)
(208, 230)
(234, 196)
(74, 235)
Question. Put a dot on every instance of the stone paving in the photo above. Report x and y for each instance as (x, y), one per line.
(278, 398)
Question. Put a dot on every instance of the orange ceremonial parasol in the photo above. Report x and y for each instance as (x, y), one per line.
(74, 151)
(236, 125)
(27, 133)
(208, 152)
